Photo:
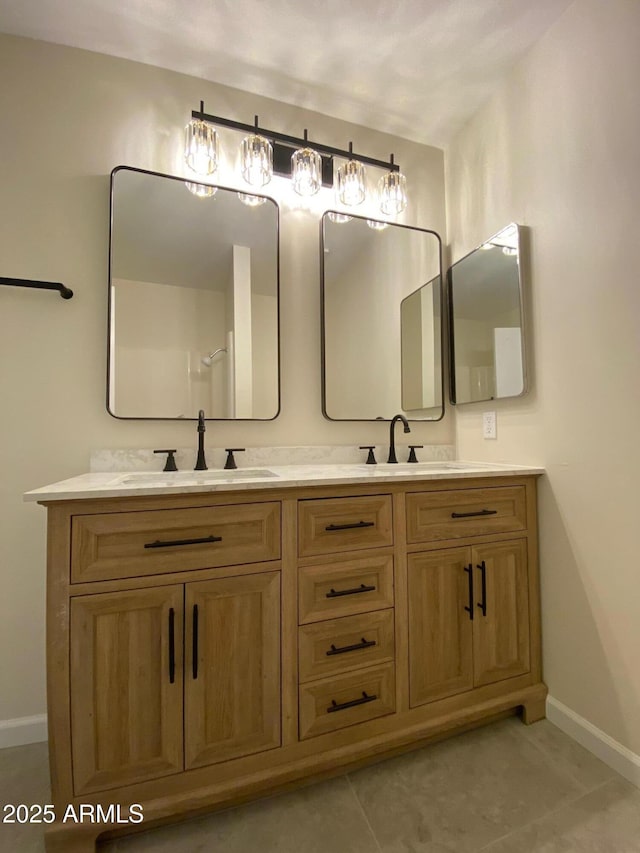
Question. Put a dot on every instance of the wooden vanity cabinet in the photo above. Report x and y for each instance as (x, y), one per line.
(468, 618)
(141, 708)
(207, 648)
(126, 686)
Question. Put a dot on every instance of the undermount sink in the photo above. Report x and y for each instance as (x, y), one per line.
(196, 478)
(407, 467)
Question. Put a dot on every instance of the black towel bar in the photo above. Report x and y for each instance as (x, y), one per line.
(42, 285)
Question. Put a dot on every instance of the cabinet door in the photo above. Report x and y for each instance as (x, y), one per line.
(126, 687)
(501, 633)
(440, 629)
(232, 683)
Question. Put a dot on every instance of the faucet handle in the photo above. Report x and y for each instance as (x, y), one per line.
(231, 462)
(371, 458)
(412, 452)
(170, 464)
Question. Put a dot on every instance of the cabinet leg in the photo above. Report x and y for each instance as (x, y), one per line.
(65, 839)
(533, 710)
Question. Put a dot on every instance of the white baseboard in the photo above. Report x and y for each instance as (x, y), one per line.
(23, 730)
(622, 760)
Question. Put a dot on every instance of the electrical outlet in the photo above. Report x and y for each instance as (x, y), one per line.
(489, 425)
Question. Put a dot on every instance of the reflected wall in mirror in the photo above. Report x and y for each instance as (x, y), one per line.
(486, 329)
(381, 321)
(193, 301)
(421, 346)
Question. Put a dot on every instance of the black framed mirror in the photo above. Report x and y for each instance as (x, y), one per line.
(486, 321)
(193, 300)
(381, 287)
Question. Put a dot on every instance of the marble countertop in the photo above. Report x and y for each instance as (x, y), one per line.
(111, 484)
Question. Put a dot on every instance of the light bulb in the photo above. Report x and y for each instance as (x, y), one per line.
(338, 217)
(306, 171)
(256, 160)
(392, 189)
(350, 183)
(201, 147)
(252, 200)
(201, 190)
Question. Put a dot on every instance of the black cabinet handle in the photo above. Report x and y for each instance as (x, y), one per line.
(355, 591)
(195, 642)
(343, 705)
(172, 645)
(355, 526)
(340, 650)
(483, 604)
(469, 570)
(472, 514)
(170, 543)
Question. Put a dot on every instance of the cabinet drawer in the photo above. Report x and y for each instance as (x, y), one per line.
(333, 525)
(327, 648)
(345, 588)
(129, 544)
(345, 700)
(433, 516)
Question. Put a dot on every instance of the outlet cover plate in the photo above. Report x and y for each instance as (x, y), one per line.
(489, 425)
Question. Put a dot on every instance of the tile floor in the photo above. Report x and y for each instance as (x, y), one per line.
(504, 788)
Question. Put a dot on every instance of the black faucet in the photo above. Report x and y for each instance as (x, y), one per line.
(392, 440)
(201, 462)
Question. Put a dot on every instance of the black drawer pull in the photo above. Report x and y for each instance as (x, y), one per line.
(172, 646)
(194, 661)
(469, 570)
(343, 705)
(355, 526)
(362, 588)
(340, 650)
(483, 604)
(168, 544)
(471, 514)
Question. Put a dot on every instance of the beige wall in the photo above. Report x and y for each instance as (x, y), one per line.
(67, 117)
(556, 149)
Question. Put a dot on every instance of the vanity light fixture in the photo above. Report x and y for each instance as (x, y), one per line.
(201, 190)
(252, 200)
(338, 217)
(350, 187)
(310, 164)
(392, 189)
(306, 170)
(256, 157)
(201, 147)
(376, 225)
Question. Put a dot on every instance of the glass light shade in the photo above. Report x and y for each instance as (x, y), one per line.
(201, 147)
(306, 171)
(201, 190)
(338, 217)
(251, 200)
(350, 183)
(256, 160)
(392, 189)
(376, 225)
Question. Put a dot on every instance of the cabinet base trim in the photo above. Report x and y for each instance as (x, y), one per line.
(313, 768)
(603, 746)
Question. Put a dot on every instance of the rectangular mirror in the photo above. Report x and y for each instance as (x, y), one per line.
(486, 328)
(193, 300)
(381, 320)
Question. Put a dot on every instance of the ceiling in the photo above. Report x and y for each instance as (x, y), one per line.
(414, 68)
